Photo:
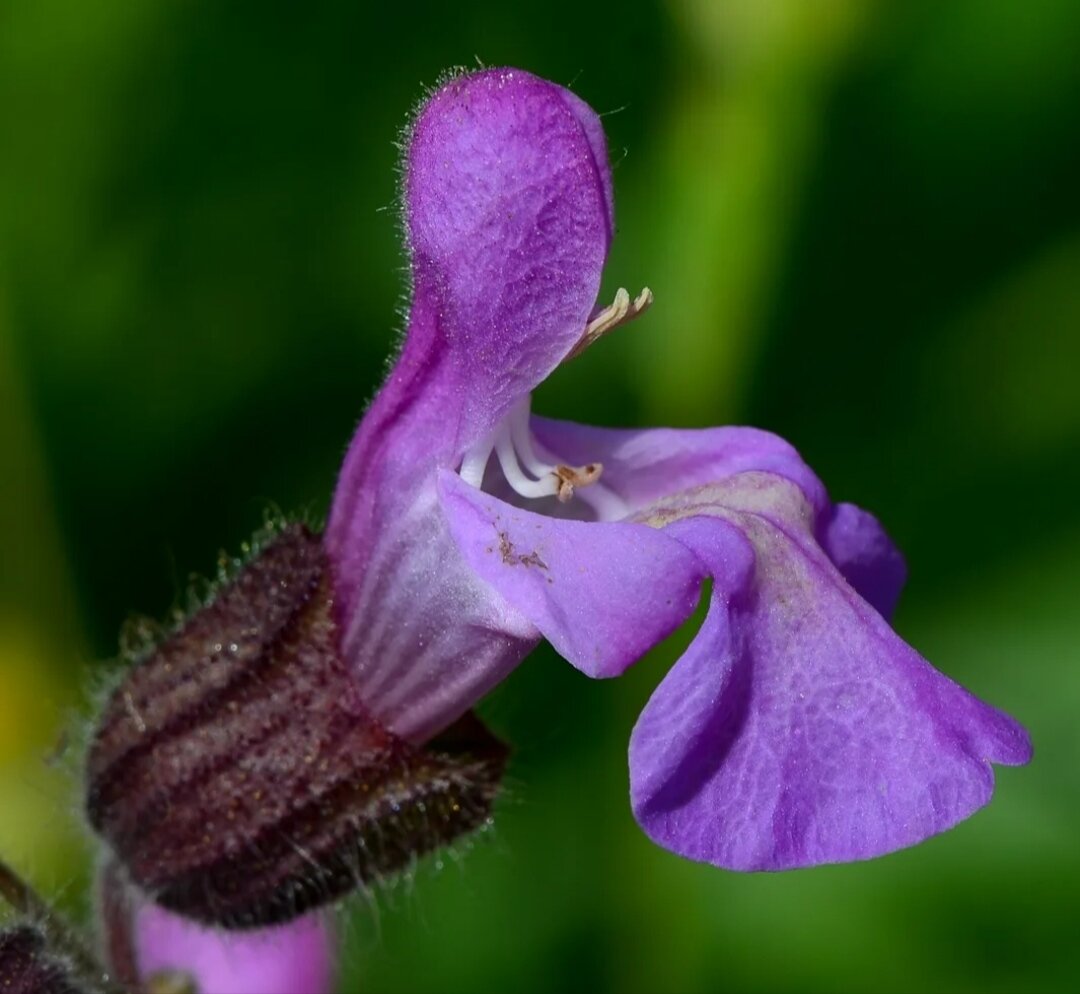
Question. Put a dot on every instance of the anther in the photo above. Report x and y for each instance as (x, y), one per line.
(570, 477)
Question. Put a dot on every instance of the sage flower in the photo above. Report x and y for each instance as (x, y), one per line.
(798, 728)
(308, 729)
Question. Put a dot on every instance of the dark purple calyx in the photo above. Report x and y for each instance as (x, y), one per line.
(27, 966)
(240, 781)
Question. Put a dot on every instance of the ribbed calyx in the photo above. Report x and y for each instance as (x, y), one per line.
(238, 778)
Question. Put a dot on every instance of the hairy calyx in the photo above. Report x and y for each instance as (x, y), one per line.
(239, 778)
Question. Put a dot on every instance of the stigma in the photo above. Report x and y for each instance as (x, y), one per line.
(622, 310)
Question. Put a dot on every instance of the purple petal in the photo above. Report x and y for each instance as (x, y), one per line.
(425, 638)
(297, 958)
(798, 728)
(644, 466)
(508, 211)
(508, 208)
(594, 134)
(865, 556)
(601, 593)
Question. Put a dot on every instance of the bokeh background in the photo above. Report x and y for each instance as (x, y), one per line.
(862, 224)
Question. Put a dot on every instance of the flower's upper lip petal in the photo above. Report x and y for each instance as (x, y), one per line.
(508, 215)
(601, 593)
(594, 133)
(798, 728)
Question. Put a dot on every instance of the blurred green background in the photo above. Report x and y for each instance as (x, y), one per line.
(862, 224)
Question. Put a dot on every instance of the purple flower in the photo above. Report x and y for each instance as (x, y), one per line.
(798, 728)
(149, 946)
(297, 958)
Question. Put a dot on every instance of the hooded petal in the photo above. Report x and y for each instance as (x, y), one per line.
(602, 593)
(297, 958)
(798, 728)
(508, 209)
(508, 217)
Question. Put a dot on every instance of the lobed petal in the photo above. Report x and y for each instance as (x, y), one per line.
(865, 555)
(601, 593)
(798, 728)
(643, 466)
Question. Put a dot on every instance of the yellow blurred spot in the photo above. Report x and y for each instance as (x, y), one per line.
(28, 709)
(39, 831)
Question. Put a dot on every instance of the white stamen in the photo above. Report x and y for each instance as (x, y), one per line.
(476, 460)
(548, 486)
(607, 504)
(523, 441)
(519, 455)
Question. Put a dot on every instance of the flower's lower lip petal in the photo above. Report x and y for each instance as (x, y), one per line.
(865, 555)
(798, 728)
(643, 466)
(601, 593)
(297, 958)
